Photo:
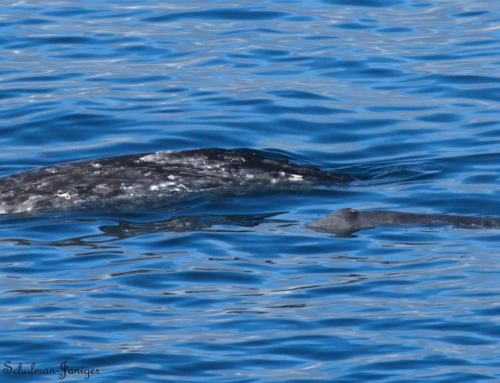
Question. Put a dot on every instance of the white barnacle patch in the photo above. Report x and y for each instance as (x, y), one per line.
(164, 185)
(295, 177)
(171, 177)
(125, 187)
(60, 193)
(282, 174)
(158, 157)
(95, 165)
(102, 189)
(249, 175)
(148, 158)
(51, 170)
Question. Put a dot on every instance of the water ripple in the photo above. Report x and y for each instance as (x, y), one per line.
(402, 95)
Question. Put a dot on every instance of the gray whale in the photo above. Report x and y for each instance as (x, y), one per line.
(147, 178)
(346, 221)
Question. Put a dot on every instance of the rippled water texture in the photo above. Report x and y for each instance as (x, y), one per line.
(403, 95)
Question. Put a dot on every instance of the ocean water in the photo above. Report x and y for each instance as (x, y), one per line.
(404, 95)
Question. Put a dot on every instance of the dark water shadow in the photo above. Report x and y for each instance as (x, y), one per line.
(121, 229)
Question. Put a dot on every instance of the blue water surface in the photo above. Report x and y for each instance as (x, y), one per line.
(404, 95)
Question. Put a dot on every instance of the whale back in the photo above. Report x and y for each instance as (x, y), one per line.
(149, 177)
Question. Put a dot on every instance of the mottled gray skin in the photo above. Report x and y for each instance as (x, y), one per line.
(346, 221)
(142, 179)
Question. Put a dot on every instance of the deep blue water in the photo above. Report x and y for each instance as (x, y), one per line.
(404, 95)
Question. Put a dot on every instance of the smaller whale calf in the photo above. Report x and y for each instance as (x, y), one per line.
(346, 221)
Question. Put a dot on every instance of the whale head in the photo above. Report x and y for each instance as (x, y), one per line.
(340, 221)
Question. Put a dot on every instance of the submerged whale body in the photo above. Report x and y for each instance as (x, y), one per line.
(145, 178)
(346, 221)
